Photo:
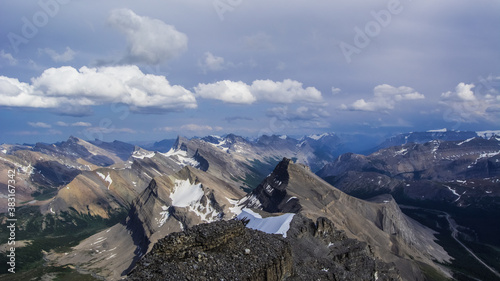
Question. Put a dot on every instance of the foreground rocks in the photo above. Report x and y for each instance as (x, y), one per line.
(227, 250)
(223, 250)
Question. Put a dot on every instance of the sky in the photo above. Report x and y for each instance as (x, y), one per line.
(151, 70)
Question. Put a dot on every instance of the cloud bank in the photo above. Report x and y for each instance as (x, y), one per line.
(67, 86)
(385, 98)
(287, 91)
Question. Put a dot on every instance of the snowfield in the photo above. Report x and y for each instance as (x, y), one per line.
(272, 225)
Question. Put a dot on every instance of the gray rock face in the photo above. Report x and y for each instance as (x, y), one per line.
(321, 252)
(226, 250)
(223, 250)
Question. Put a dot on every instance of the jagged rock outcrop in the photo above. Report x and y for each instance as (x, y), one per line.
(392, 236)
(322, 252)
(224, 250)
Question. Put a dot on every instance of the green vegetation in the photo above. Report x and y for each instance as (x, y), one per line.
(44, 194)
(51, 232)
(431, 274)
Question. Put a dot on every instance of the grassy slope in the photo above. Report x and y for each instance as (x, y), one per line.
(50, 233)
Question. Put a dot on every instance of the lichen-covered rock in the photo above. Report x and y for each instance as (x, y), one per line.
(227, 250)
(223, 250)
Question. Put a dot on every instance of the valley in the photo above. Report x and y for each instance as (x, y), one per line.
(99, 208)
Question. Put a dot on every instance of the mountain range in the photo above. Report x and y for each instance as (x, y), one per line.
(145, 196)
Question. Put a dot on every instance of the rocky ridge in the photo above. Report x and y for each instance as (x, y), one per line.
(226, 250)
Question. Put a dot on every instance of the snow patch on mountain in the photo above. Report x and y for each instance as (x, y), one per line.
(484, 155)
(318, 137)
(164, 215)
(141, 154)
(180, 156)
(403, 151)
(488, 134)
(105, 178)
(220, 144)
(465, 141)
(237, 207)
(186, 193)
(206, 212)
(25, 169)
(271, 225)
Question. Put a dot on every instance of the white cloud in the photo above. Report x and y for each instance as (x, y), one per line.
(288, 91)
(8, 57)
(385, 98)
(81, 124)
(67, 86)
(336, 90)
(68, 55)
(462, 92)
(211, 62)
(227, 91)
(39, 125)
(469, 106)
(62, 124)
(150, 41)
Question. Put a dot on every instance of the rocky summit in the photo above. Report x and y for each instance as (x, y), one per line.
(227, 250)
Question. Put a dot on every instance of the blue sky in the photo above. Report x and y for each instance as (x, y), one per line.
(151, 70)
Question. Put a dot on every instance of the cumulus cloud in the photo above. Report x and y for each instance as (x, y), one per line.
(67, 86)
(385, 98)
(336, 90)
(462, 92)
(227, 91)
(150, 41)
(68, 55)
(469, 103)
(39, 125)
(212, 62)
(287, 91)
(7, 57)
